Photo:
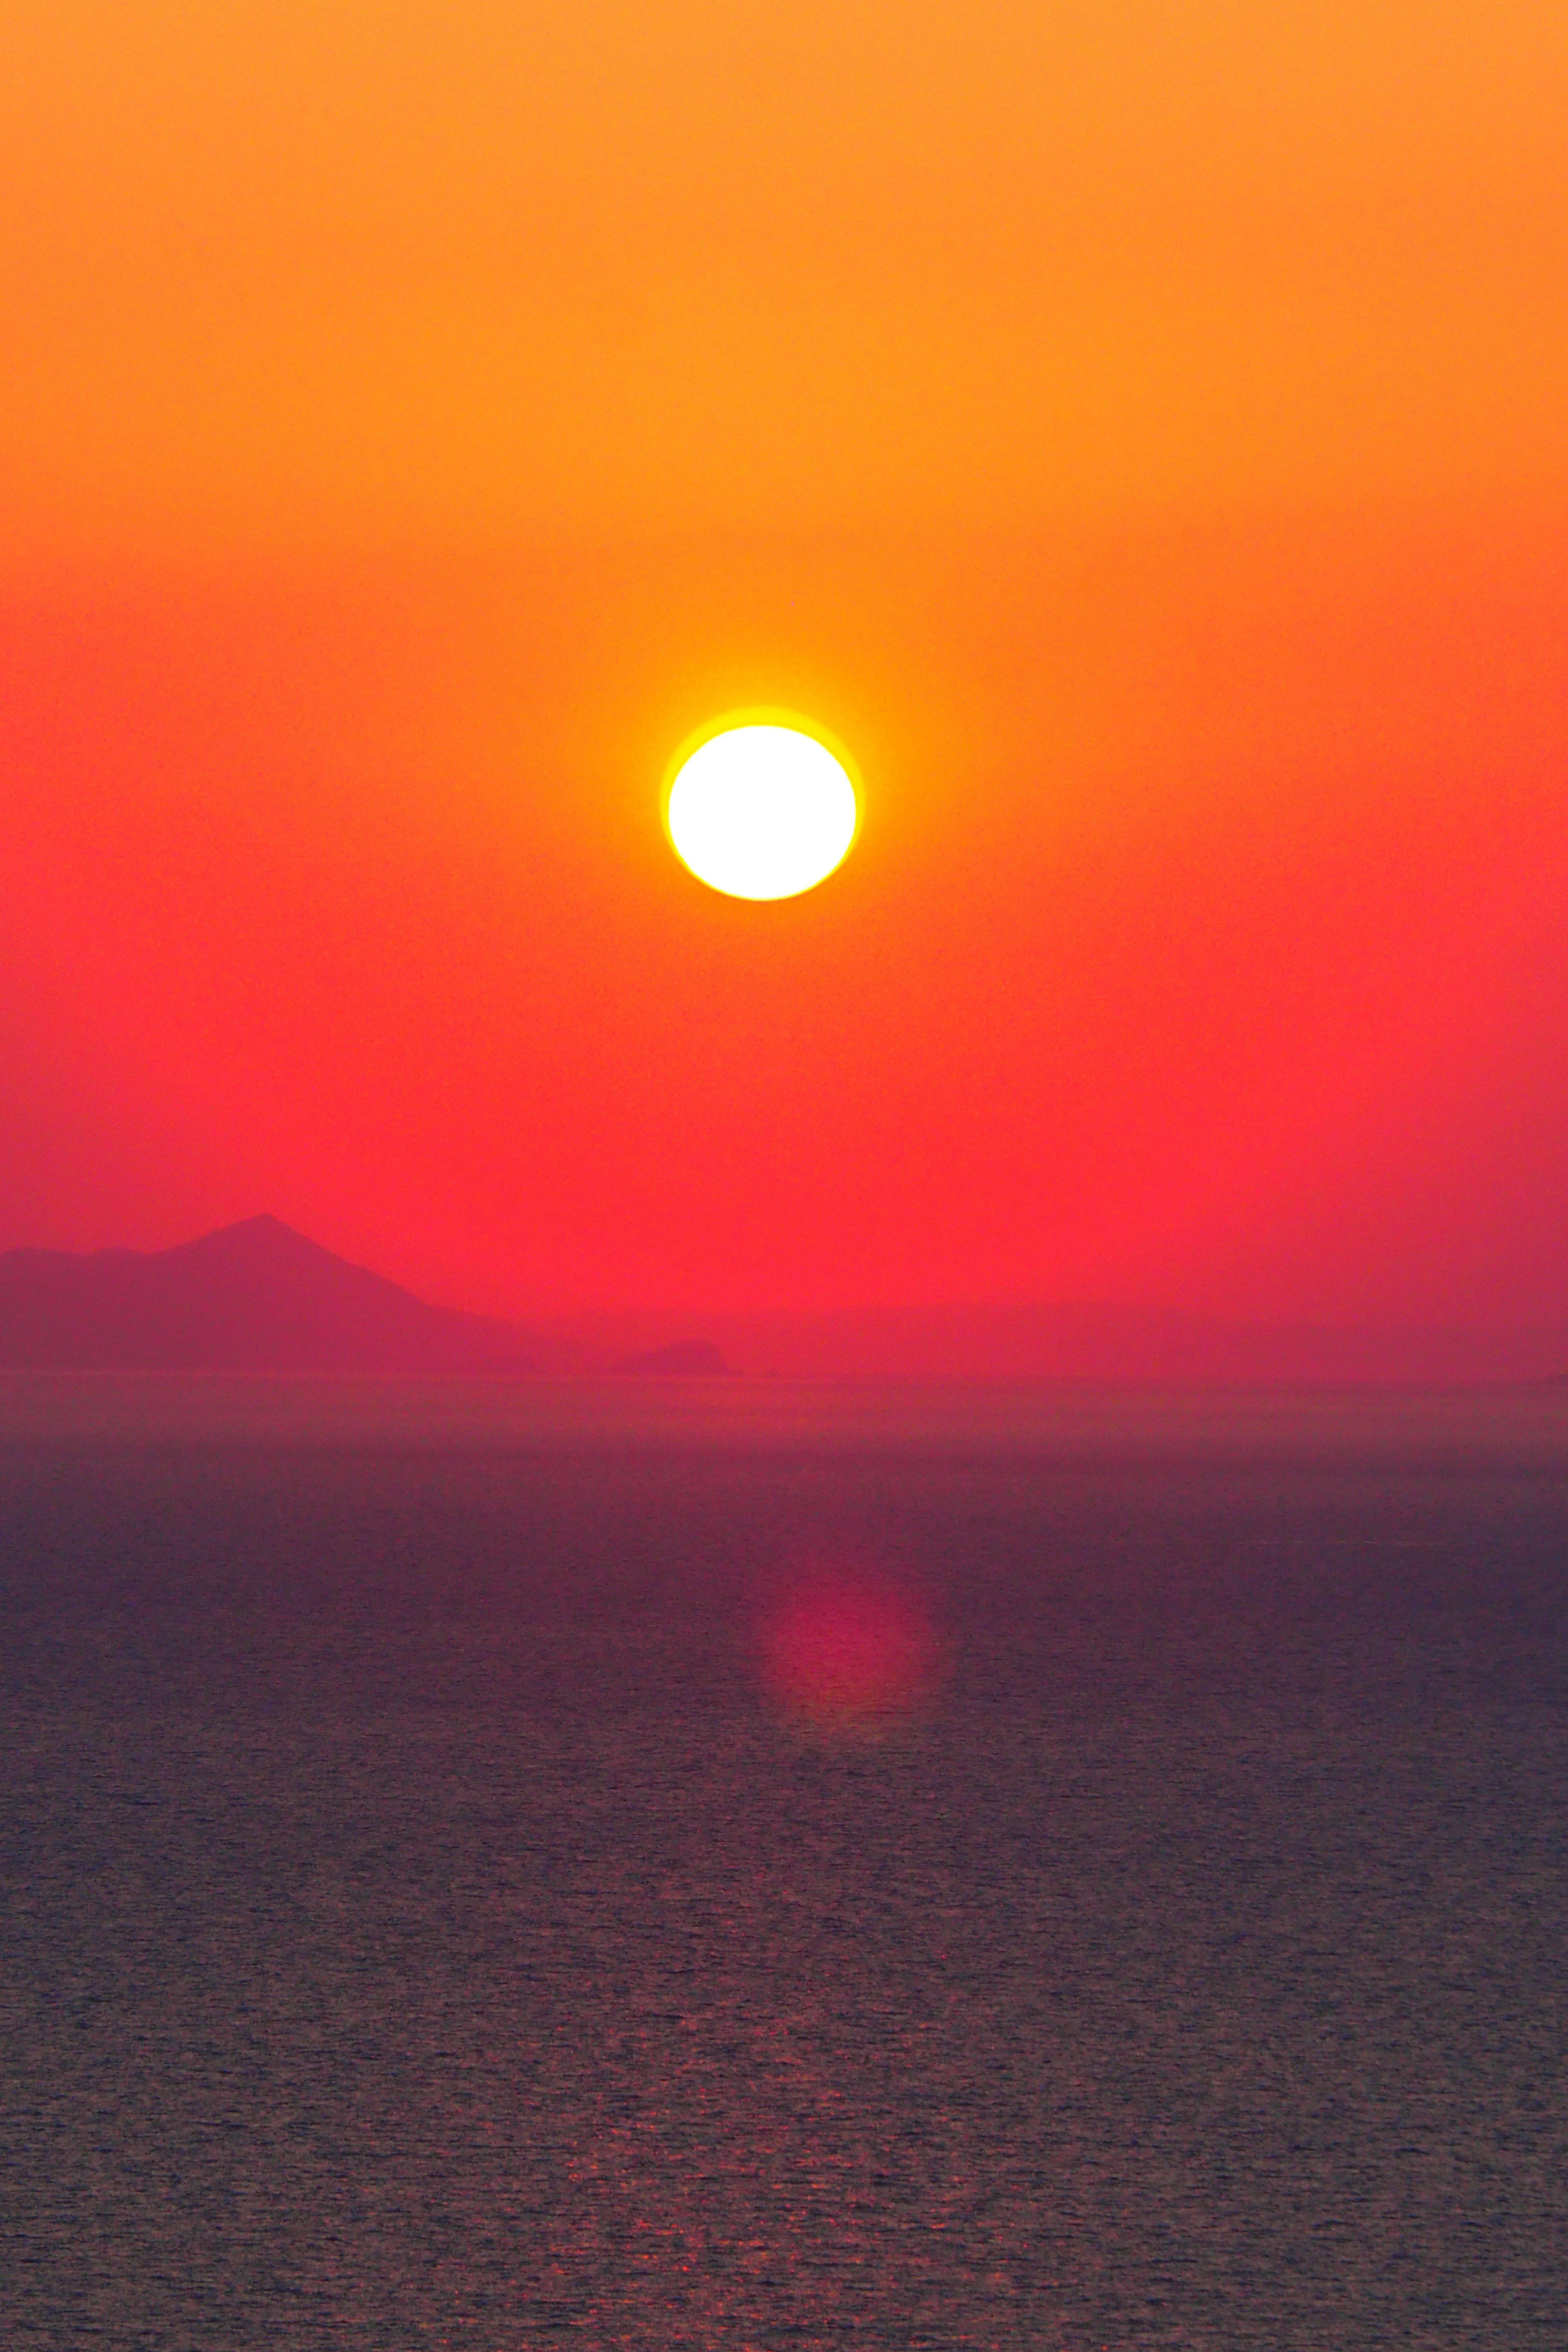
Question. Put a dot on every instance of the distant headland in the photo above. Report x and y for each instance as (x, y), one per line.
(258, 1297)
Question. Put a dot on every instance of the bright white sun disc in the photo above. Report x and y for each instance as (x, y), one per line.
(762, 811)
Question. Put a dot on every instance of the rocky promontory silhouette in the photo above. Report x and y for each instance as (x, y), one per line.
(259, 1297)
(253, 1297)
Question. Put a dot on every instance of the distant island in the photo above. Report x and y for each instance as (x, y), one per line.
(257, 1296)
(254, 1296)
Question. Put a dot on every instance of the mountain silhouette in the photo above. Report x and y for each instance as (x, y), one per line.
(254, 1296)
(258, 1298)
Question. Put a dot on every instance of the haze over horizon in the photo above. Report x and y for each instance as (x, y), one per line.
(257, 1296)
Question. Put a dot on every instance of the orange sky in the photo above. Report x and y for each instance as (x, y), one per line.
(1140, 431)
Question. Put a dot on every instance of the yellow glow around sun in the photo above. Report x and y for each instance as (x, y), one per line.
(761, 808)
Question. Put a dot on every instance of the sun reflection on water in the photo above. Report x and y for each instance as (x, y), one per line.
(848, 1652)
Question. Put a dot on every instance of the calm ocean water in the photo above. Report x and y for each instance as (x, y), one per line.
(427, 1920)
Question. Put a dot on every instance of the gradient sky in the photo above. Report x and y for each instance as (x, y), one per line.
(1140, 431)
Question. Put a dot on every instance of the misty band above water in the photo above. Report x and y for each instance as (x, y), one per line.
(489, 1864)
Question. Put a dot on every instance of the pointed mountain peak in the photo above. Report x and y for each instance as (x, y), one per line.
(252, 1237)
(253, 1295)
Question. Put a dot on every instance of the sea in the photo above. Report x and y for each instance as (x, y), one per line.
(665, 1864)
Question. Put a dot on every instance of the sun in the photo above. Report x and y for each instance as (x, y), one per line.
(761, 806)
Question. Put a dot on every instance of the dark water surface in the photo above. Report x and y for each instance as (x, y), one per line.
(421, 1928)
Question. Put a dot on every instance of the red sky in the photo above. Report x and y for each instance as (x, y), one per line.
(1140, 435)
